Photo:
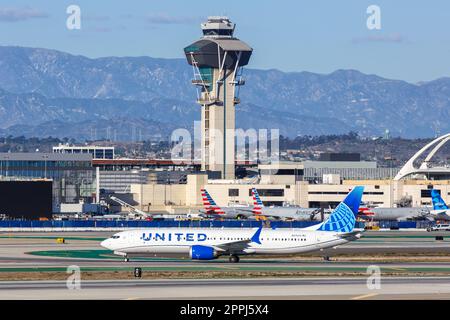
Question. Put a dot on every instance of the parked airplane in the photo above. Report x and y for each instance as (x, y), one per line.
(208, 244)
(399, 214)
(440, 210)
(285, 213)
(212, 210)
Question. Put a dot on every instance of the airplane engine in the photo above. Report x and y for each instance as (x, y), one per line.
(202, 253)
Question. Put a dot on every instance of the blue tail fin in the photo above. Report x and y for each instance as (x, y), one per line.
(343, 218)
(438, 202)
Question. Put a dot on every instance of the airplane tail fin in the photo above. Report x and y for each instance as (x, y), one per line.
(438, 202)
(343, 218)
(209, 203)
(257, 203)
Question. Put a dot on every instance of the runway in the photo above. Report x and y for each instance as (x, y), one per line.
(413, 265)
(305, 288)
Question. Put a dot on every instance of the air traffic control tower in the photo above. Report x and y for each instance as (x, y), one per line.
(217, 59)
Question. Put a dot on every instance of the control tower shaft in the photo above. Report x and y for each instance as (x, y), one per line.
(217, 59)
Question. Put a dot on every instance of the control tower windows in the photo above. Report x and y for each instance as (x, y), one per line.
(206, 74)
(218, 32)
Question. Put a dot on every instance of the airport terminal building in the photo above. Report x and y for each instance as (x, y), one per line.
(161, 185)
(72, 175)
(287, 186)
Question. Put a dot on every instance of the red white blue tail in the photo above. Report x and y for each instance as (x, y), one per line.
(257, 203)
(209, 203)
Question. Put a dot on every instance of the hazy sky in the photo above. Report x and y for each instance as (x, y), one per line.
(316, 35)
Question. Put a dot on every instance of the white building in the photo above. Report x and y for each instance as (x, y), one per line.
(97, 152)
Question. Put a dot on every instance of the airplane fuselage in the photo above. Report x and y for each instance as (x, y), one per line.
(394, 213)
(181, 240)
(292, 213)
(441, 214)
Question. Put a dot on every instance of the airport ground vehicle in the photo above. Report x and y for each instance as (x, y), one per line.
(439, 227)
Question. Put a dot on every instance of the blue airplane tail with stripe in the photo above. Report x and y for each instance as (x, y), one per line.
(343, 218)
(438, 202)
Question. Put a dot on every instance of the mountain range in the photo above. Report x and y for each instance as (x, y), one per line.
(46, 92)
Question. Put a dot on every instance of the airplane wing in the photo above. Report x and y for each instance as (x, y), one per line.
(235, 246)
(423, 213)
(351, 236)
(239, 246)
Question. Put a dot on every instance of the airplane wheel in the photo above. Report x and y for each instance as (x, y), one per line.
(126, 259)
(234, 259)
(326, 258)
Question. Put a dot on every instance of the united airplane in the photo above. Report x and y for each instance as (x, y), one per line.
(208, 244)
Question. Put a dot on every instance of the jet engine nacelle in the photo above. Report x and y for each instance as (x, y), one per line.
(202, 253)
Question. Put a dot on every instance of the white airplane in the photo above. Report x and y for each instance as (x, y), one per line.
(208, 244)
(212, 210)
(285, 213)
(258, 210)
(398, 214)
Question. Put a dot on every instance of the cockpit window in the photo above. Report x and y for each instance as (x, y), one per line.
(115, 237)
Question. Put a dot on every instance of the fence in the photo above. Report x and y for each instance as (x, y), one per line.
(83, 224)
(405, 224)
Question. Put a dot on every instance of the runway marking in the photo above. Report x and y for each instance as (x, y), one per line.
(226, 267)
(396, 269)
(132, 298)
(370, 295)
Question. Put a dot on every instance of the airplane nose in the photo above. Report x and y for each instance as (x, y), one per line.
(106, 244)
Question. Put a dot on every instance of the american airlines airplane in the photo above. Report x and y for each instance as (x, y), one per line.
(208, 244)
(398, 214)
(212, 210)
(285, 213)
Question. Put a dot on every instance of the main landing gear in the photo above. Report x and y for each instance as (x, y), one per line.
(126, 259)
(233, 258)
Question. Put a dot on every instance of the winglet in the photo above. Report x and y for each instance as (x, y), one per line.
(255, 237)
